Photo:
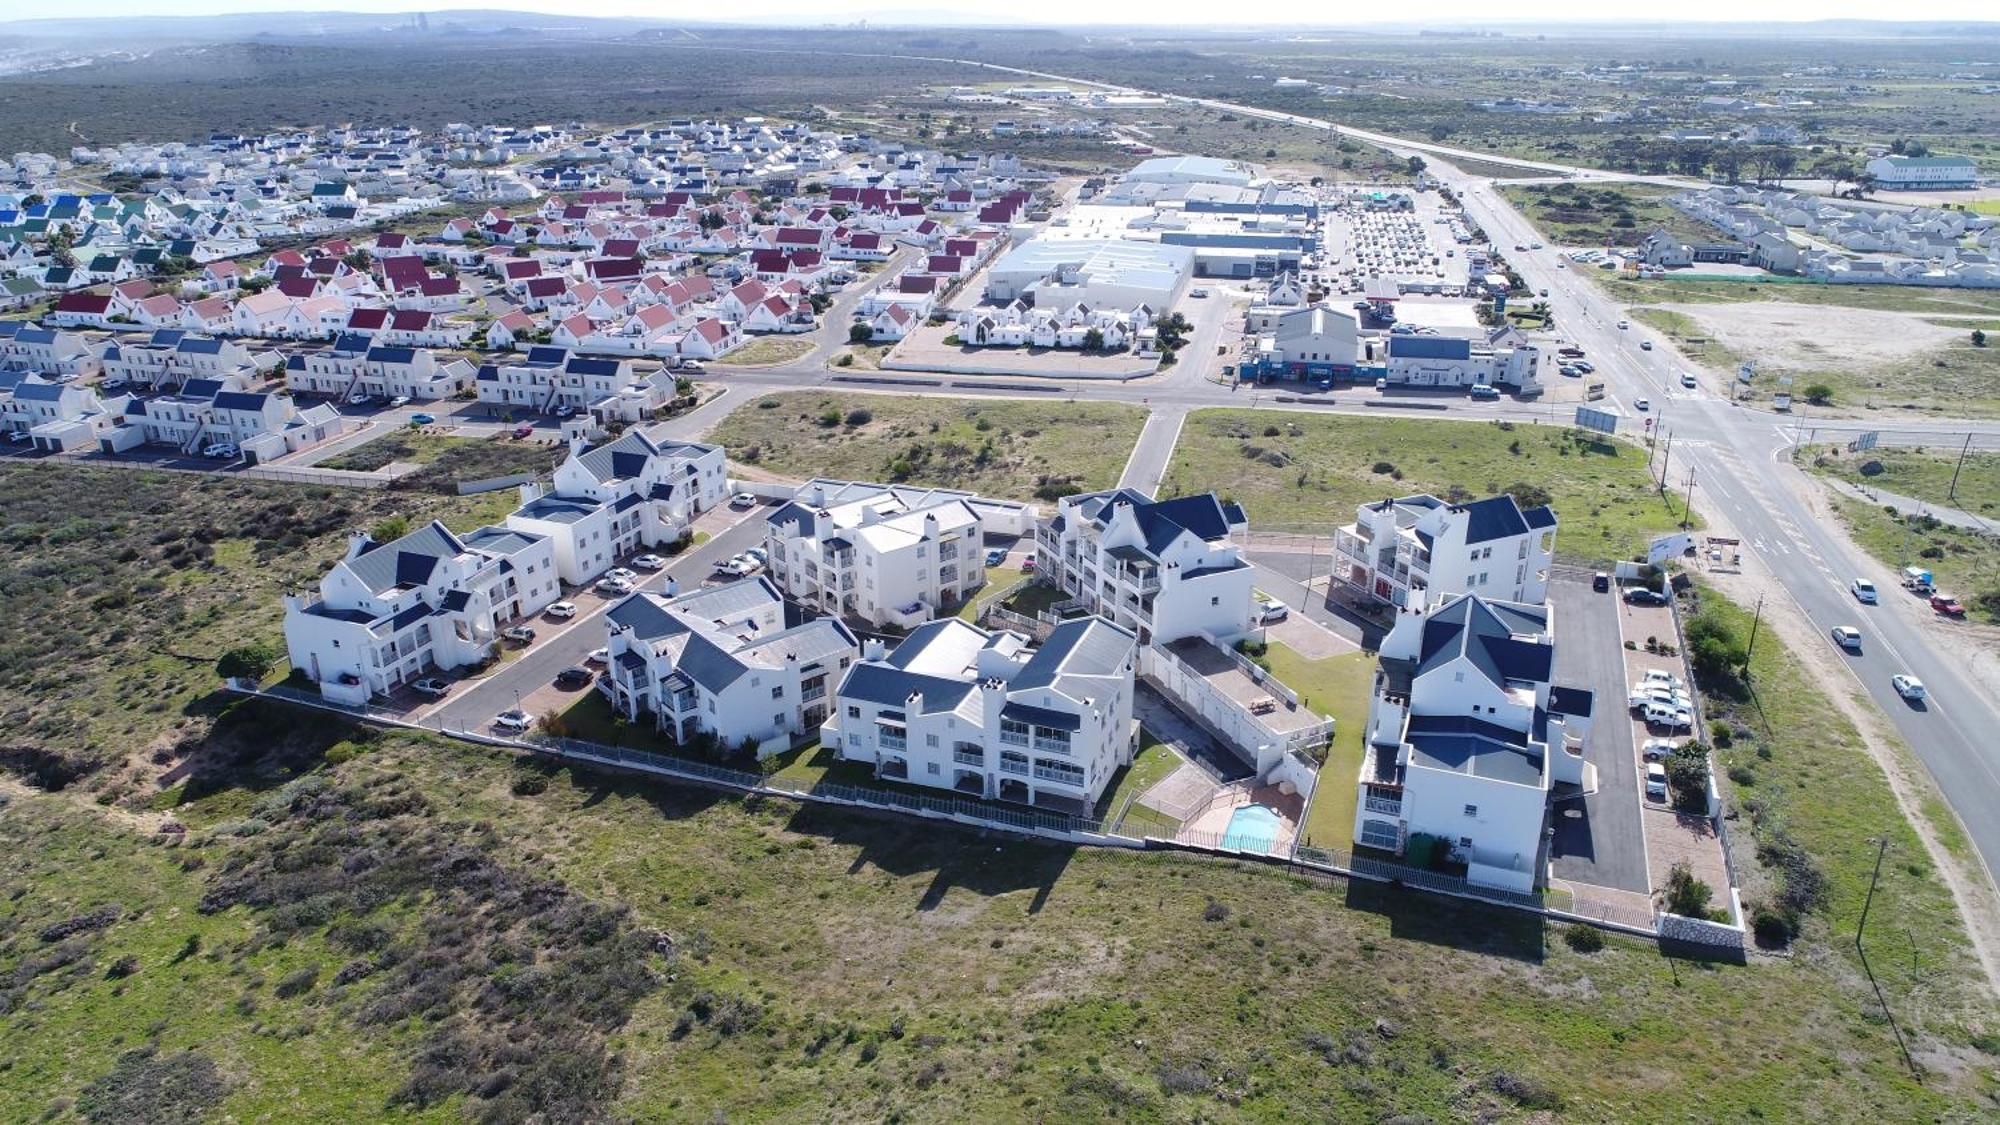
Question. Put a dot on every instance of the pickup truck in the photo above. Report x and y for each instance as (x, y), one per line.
(1569, 352)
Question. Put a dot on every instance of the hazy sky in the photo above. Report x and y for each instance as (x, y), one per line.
(1164, 12)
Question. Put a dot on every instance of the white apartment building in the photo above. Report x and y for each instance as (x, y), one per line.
(1164, 569)
(721, 660)
(345, 370)
(57, 417)
(608, 501)
(1467, 738)
(51, 351)
(1490, 547)
(991, 716)
(549, 379)
(389, 613)
(885, 554)
(172, 356)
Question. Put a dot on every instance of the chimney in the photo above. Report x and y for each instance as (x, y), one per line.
(530, 492)
(873, 649)
(357, 542)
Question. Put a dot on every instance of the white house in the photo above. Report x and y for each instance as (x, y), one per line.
(1491, 547)
(1467, 738)
(1923, 173)
(721, 661)
(610, 500)
(988, 715)
(1165, 569)
(886, 554)
(57, 417)
(389, 613)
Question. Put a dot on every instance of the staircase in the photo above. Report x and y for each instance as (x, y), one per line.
(348, 391)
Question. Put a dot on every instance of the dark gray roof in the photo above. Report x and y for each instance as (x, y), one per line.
(1496, 517)
(1089, 646)
(1571, 701)
(1041, 717)
(621, 459)
(890, 686)
(1468, 746)
(641, 614)
(1483, 632)
(409, 561)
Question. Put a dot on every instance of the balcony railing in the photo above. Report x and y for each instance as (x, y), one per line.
(1012, 739)
(1061, 777)
(892, 741)
(1052, 746)
(1007, 766)
(969, 757)
(817, 691)
(1387, 806)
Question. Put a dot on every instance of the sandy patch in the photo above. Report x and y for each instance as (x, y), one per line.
(1780, 334)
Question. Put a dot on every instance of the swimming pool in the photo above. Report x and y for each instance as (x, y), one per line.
(1252, 828)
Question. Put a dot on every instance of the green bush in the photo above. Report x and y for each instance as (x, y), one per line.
(1687, 896)
(1583, 938)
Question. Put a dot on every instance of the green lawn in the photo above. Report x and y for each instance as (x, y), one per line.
(1154, 761)
(1965, 563)
(1307, 473)
(1339, 688)
(997, 448)
(998, 578)
(823, 964)
(761, 350)
(1923, 474)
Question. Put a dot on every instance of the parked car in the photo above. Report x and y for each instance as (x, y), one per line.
(1272, 611)
(519, 634)
(1908, 686)
(616, 586)
(1624, 324)
(996, 556)
(1947, 605)
(1484, 392)
(1028, 565)
(1600, 582)
(1642, 404)
(691, 366)
(621, 574)
(743, 500)
(1640, 595)
(733, 567)
(1570, 370)
(1655, 676)
(562, 609)
(19, 436)
(430, 687)
(1667, 715)
(565, 410)
(1657, 749)
(1585, 366)
(758, 555)
(1847, 637)
(571, 678)
(1863, 591)
(598, 656)
(422, 419)
(514, 721)
(524, 432)
(649, 562)
(1656, 782)
(400, 400)
(221, 449)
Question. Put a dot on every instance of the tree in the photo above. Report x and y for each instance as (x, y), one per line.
(1727, 162)
(1819, 394)
(1093, 341)
(1416, 165)
(247, 662)
(1864, 184)
(1692, 159)
(1979, 337)
(1687, 896)
(1783, 162)
(1439, 131)
(389, 528)
(1687, 773)
(861, 333)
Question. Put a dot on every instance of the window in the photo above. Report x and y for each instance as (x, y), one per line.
(778, 692)
(778, 720)
(1215, 601)
(1465, 841)
(931, 768)
(930, 740)
(1472, 810)
(854, 712)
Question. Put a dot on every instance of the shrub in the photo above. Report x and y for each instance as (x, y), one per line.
(860, 333)
(247, 662)
(1819, 394)
(530, 785)
(1384, 467)
(829, 418)
(1214, 912)
(1530, 1093)
(297, 983)
(123, 967)
(768, 404)
(1720, 733)
(1773, 928)
(860, 416)
(1528, 495)
(1687, 896)
(159, 1089)
(1582, 938)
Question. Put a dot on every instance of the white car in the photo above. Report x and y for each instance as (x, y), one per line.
(598, 656)
(1642, 404)
(1655, 676)
(1688, 380)
(1624, 324)
(1656, 782)
(1645, 345)
(733, 567)
(1666, 715)
(1863, 591)
(562, 609)
(515, 721)
(649, 562)
(1657, 749)
(400, 400)
(1847, 637)
(621, 574)
(1908, 686)
(614, 586)
(743, 500)
(1273, 611)
(220, 449)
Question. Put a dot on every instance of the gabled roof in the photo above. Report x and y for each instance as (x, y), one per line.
(1501, 639)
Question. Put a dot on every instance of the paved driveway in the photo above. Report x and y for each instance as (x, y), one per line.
(1598, 837)
(564, 644)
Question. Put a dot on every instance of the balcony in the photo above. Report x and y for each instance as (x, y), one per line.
(1070, 777)
(1387, 806)
(1052, 746)
(817, 691)
(1011, 739)
(891, 740)
(1015, 766)
(969, 757)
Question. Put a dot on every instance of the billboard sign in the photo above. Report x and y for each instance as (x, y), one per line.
(1669, 547)
(1602, 421)
(1864, 441)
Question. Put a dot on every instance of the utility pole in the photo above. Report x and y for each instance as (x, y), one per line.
(1951, 496)
(1755, 620)
(1687, 509)
(1666, 460)
(1881, 847)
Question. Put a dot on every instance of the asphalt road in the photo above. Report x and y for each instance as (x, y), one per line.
(1598, 836)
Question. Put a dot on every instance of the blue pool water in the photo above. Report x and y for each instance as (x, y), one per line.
(1252, 828)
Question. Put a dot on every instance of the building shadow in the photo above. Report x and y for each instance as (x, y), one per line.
(1455, 923)
(979, 861)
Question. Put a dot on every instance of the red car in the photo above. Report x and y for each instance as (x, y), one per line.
(1028, 565)
(524, 431)
(1947, 605)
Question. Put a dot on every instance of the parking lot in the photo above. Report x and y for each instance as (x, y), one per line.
(1599, 838)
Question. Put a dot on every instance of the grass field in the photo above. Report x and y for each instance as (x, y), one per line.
(1922, 474)
(1571, 214)
(1882, 298)
(1006, 449)
(809, 962)
(1339, 688)
(1812, 800)
(161, 573)
(1689, 337)
(1308, 473)
(448, 459)
(1965, 563)
(763, 350)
